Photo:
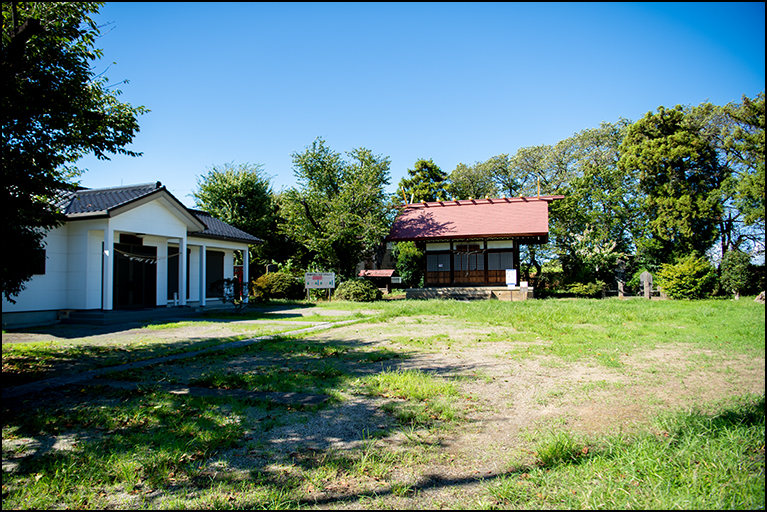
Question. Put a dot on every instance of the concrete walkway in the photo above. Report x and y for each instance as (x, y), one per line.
(91, 375)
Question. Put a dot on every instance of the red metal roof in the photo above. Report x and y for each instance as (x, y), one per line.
(376, 273)
(473, 218)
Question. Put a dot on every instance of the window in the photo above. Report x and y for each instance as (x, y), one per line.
(437, 262)
(465, 261)
(500, 260)
(38, 264)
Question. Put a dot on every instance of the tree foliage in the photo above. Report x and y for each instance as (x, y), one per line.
(55, 109)
(680, 174)
(427, 182)
(735, 272)
(744, 143)
(409, 263)
(339, 212)
(241, 195)
(471, 182)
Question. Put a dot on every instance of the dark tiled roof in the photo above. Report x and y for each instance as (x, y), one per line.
(88, 202)
(104, 199)
(492, 218)
(221, 230)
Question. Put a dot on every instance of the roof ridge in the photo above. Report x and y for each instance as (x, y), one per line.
(482, 200)
(153, 185)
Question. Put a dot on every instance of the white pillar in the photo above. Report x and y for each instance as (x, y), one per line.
(107, 287)
(182, 271)
(245, 277)
(203, 276)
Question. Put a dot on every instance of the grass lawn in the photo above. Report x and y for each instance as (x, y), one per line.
(431, 404)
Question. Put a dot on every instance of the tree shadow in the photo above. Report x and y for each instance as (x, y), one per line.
(417, 223)
(267, 432)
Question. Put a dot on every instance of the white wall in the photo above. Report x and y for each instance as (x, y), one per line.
(74, 259)
(151, 219)
(48, 291)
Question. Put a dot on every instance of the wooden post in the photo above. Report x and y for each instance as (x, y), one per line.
(523, 290)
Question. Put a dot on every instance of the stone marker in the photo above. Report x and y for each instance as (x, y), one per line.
(646, 279)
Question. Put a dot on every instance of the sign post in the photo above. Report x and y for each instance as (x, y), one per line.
(314, 280)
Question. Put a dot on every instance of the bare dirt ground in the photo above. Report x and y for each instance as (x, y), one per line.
(505, 401)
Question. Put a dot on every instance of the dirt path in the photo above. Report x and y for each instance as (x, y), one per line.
(506, 401)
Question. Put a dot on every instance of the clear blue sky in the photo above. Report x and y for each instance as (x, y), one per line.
(454, 82)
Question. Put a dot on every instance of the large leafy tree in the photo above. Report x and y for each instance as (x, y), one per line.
(678, 169)
(601, 207)
(744, 143)
(339, 211)
(741, 148)
(242, 196)
(471, 181)
(54, 110)
(512, 175)
(427, 182)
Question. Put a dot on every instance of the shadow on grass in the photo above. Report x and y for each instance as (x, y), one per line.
(163, 439)
(23, 367)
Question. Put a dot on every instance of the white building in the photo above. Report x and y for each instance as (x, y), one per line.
(119, 249)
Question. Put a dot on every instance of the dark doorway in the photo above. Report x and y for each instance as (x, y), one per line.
(214, 271)
(173, 264)
(135, 276)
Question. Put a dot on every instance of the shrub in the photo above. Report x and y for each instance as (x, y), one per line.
(358, 290)
(689, 278)
(587, 290)
(278, 285)
(735, 272)
(409, 259)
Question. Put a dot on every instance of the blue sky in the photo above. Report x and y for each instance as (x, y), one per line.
(454, 82)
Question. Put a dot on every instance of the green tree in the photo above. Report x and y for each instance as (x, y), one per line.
(410, 263)
(735, 272)
(241, 195)
(471, 182)
(55, 109)
(427, 182)
(601, 206)
(744, 143)
(512, 176)
(680, 174)
(340, 211)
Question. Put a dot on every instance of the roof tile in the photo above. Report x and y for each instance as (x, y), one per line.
(513, 217)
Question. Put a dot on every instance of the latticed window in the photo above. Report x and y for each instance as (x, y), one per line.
(463, 261)
(500, 260)
(437, 262)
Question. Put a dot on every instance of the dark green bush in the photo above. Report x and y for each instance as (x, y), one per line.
(689, 278)
(278, 285)
(358, 290)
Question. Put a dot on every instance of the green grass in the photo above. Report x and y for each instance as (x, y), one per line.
(156, 448)
(687, 460)
(145, 440)
(425, 398)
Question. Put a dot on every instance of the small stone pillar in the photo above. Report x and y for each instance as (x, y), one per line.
(646, 279)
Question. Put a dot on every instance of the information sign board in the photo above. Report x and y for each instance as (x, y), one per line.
(319, 280)
(511, 277)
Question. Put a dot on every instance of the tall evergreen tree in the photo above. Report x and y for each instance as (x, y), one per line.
(427, 182)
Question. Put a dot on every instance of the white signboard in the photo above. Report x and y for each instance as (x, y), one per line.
(319, 280)
(511, 277)
(396, 280)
